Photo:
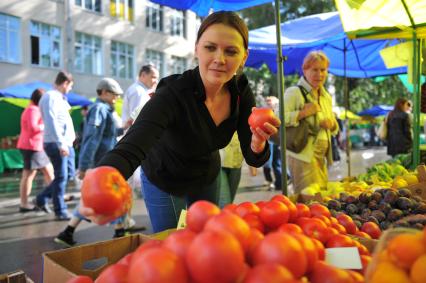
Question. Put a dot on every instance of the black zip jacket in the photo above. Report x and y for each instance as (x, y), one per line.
(176, 140)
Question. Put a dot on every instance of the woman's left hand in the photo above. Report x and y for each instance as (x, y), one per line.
(328, 124)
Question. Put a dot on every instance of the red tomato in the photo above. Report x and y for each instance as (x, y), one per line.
(268, 272)
(106, 191)
(320, 248)
(290, 228)
(290, 205)
(198, 214)
(324, 219)
(230, 223)
(362, 250)
(324, 273)
(371, 229)
(340, 241)
(149, 267)
(254, 222)
(303, 210)
(230, 207)
(260, 203)
(254, 239)
(80, 279)
(365, 261)
(310, 250)
(362, 234)
(347, 222)
(340, 228)
(126, 260)
(179, 242)
(274, 213)
(356, 276)
(259, 116)
(319, 209)
(246, 208)
(332, 231)
(154, 243)
(284, 249)
(333, 220)
(215, 256)
(315, 228)
(116, 273)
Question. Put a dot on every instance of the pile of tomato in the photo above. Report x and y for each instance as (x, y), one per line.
(267, 241)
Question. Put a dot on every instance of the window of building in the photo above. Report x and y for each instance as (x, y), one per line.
(178, 23)
(122, 60)
(177, 65)
(157, 59)
(92, 5)
(88, 53)
(122, 9)
(154, 17)
(45, 45)
(10, 44)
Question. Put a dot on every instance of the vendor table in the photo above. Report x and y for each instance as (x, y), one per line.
(10, 159)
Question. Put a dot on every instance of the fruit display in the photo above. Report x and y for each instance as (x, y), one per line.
(383, 206)
(383, 172)
(268, 241)
(399, 257)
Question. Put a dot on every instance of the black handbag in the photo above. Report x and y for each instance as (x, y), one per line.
(297, 137)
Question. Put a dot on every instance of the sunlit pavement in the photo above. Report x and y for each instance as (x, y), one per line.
(24, 237)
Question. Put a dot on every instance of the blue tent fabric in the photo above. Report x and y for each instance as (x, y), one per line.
(203, 7)
(319, 32)
(375, 111)
(25, 91)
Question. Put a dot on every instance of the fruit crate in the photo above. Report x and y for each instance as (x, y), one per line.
(419, 189)
(15, 277)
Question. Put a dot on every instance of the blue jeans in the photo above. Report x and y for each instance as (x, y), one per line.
(56, 189)
(229, 181)
(164, 209)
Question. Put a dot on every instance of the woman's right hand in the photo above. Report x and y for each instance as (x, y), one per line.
(309, 109)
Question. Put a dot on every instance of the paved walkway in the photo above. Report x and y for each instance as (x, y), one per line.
(24, 237)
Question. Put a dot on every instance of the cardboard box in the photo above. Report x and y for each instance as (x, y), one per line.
(62, 265)
(15, 277)
(370, 244)
(419, 189)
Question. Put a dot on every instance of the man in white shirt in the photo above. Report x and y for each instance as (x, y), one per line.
(138, 93)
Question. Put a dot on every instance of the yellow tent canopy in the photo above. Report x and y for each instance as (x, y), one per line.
(383, 18)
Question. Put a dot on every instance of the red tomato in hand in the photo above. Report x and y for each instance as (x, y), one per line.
(259, 116)
(106, 191)
(198, 214)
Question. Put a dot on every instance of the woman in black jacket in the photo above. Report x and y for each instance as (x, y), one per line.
(178, 133)
(399, 137)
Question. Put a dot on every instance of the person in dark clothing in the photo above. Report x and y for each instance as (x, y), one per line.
(177, 136)
(399, 136)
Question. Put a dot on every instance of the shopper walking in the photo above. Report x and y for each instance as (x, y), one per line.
(58, 136)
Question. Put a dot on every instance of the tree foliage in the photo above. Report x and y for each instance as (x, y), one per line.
(363, 93)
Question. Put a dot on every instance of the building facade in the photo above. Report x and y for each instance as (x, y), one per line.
(92, 39)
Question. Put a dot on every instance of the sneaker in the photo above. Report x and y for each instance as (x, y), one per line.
(129, 223)
(63, 216)
(44, 207)
(271, 186)
(65, 239)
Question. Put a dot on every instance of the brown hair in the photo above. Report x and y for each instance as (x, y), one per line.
(399, 104)
(62, 77)
(36, 95)
(146, 69)
(314, 56)
(226, 18)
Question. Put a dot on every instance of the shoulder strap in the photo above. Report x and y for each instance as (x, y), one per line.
(304, 93)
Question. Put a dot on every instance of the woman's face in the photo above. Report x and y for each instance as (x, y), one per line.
(316, 74)
(407, 106)
(220, 52)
